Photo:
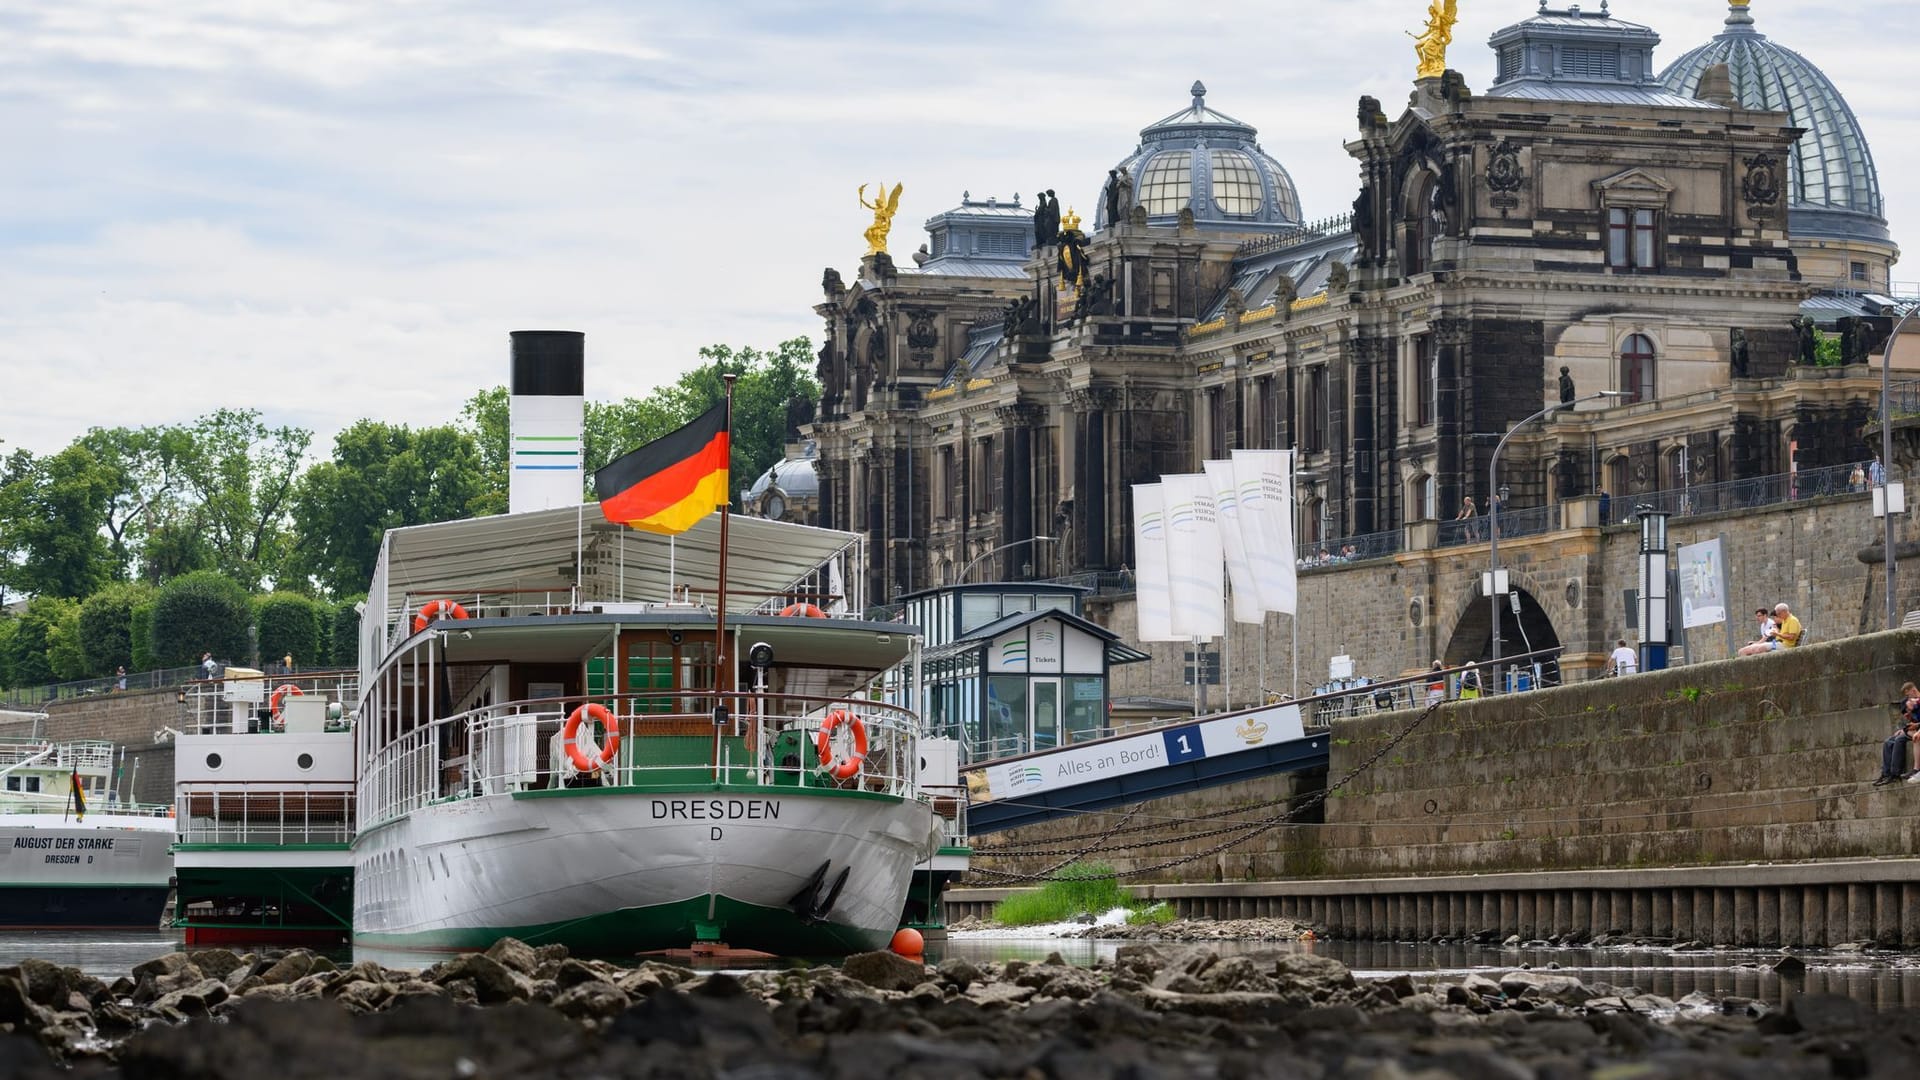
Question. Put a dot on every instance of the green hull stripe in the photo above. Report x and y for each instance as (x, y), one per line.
(662, 926)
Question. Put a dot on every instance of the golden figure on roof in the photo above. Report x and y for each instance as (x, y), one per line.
(883, 206)
(1430, 45)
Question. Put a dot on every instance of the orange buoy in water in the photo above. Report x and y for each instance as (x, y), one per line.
(908, 943)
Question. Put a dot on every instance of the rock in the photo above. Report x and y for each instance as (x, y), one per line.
(216, 963)
(1790, 966)
(960, 973)
(172, 963)
(1563, 988)
(45, 983)
(1401, 986)
(591, 1000)
(1512, 941)
(290, 968)
(998, 994)
(569, 973)
(1828, 1014)
(515, 955)
(195, 1000)
(1688, 945)
(493, 982)
(885, 970)
(1481, 985)
(1306, 968)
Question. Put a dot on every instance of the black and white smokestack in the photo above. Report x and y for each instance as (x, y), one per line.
(546, 406)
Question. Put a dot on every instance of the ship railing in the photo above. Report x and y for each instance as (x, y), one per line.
(950, 805)
(91, 755)
(62, 804)
(666, 740)
(241, 701)
(251, 812)
(478, 604)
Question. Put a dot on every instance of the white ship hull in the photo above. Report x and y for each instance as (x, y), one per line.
(617, 871)
(108, 870)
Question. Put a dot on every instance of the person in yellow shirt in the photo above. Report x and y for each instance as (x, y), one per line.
(1788, 634)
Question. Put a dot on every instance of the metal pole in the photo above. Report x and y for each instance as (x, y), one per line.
(1886, 455)
(1493, 512)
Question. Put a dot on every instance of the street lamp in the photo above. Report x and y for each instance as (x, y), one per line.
(967, 569)
(1495, 583)
(1655, 632)
(1886, 453)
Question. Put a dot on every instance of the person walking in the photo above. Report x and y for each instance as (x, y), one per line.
(207, 666)
(1623, 661)
(120, 678)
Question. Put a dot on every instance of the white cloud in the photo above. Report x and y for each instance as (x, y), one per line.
(338, 209)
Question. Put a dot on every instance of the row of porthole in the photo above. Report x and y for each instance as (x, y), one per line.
(305, 761)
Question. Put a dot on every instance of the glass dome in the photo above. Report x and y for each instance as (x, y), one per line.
(1205, 159)
(1834, 188)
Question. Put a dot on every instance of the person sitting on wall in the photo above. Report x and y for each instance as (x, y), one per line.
(1894, 752)
(1772, 632)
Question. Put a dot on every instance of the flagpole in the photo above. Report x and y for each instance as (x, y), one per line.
(723, 674)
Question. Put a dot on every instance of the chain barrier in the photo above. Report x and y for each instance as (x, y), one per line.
(1246, 832)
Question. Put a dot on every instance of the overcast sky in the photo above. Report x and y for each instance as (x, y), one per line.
(335, 209)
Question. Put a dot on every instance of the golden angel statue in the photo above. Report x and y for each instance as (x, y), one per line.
(883, 207)
(1430, 45)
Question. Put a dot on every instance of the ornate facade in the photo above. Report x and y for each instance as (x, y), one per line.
(1579, 217)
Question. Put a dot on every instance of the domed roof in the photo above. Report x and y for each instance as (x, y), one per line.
(1835, 190)
(1203, 158)
(791, 478)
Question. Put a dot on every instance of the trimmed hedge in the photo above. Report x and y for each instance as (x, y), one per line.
(287, 622)
(201, 612)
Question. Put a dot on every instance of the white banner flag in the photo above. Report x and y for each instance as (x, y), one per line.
(1152, 600)
(1194, 559)
(1226, 500)
(1264, 481)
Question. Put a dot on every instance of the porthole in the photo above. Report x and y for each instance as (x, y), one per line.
(1573, 594)
(213, 761)
(305, 761)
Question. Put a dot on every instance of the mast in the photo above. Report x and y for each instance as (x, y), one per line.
(723, 672)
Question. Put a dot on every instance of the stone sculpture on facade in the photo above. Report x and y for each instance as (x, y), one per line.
(1046, 219)
(1371, 115)
(1337, 279)
(1808, 341)
(1737, 352)
(831, 284)
(1566, 385)
(884, 206)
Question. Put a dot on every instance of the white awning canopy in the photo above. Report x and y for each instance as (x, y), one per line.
(538, 550)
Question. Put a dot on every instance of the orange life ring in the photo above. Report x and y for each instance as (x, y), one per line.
(842, 768)
(591, 759)
(273, 703)
(435, 609)
(804, 610)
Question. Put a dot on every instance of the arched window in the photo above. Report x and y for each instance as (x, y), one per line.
(1636, 368)
(1425, 493)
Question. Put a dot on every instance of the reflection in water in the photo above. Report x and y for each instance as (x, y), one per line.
(1881, 981)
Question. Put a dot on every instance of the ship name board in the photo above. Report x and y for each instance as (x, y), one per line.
(716, 809)
(84, 843)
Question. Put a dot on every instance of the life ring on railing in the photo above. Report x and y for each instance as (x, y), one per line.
(842, 768)
(804, 610)
(435, 609)
(592, 757)
(273, 703)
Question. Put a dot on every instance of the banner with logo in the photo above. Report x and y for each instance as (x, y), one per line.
(1703, 583)
(1152, 600)
(1226, 501)
(1263, 480)
(1194, 557)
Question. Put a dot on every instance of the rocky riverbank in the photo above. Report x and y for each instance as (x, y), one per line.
(1155, 1011)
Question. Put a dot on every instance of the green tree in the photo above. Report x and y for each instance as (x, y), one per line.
(106, 626)
(8, 625)
(53, 509)
(146, 467)
(241, 475)
(287, 625)
(485, 418)
(35, 634)
(204, 611)
(381, 476)
(66, 655)
(140, 633)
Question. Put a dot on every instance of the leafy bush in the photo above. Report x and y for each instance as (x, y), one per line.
(346, 633)
(34, 632)
(140, 633)
(1078, 888)
(106, 626)
(7, 628)
(287, 623)
(200, 612)
(65, 655)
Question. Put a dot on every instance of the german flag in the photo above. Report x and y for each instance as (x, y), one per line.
(668, 485)
(79, 797)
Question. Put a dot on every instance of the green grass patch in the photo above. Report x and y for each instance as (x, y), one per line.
(1158, 913)
(1078, 888)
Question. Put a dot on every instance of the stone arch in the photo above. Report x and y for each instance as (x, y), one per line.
(1471, 639)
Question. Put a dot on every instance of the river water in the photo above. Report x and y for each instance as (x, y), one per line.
(1882, 980)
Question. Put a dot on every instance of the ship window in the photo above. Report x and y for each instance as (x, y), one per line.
(13, 783)
(213, 761)
(305, 761)
(33, 783)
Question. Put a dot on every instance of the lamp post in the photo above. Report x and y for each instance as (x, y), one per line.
(1495, 583)
(1655, 633)
(1886, 453)
(990, 552)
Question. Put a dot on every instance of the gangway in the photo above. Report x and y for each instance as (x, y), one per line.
(1294, 736)
(1150, 764)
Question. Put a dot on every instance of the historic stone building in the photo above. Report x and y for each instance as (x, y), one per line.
(1584, 224)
